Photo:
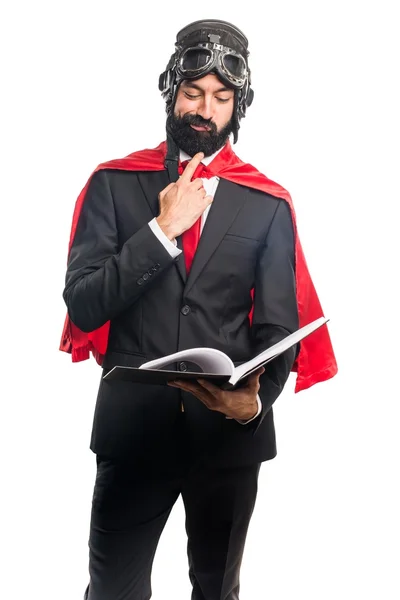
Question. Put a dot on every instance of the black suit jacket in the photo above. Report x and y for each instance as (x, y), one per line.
(118, 270)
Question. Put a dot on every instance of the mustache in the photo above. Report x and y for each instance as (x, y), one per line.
(198, 121)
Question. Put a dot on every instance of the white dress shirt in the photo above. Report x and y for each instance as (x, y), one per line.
(210, 186)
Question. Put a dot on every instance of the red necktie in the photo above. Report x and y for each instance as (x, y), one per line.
(190, 237)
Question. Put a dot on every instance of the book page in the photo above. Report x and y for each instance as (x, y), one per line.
(270, 353)
(209, 360)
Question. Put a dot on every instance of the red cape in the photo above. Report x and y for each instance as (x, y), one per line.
(316, 360)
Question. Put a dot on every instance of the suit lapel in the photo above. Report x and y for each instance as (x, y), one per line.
(151, 186)
(152, 201)
(228, 201)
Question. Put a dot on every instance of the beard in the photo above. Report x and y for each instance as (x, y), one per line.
(191, 141)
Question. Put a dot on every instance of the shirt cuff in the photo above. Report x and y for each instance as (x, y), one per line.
(255, 416)
(170, 246)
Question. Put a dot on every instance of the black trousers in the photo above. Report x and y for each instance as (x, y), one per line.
(131, 505)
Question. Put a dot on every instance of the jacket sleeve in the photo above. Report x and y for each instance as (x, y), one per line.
(102, 279)
(275, 304)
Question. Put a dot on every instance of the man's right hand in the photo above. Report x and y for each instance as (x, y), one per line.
(183, 202)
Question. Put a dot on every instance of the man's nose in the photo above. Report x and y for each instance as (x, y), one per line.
(205, 109)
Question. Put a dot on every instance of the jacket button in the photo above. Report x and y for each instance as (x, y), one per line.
(145, 276)
(183, 366)
(140, 281)
(185, 310)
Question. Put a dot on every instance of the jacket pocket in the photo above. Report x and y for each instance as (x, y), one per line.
(239, 239)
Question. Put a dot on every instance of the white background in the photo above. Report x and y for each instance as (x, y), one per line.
(80, 87)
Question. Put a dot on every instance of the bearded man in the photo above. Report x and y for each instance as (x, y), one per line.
(185, 245)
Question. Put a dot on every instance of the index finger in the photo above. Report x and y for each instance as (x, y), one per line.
(255, 376)
(192, 166)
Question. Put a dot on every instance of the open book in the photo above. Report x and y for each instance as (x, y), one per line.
(211, 364)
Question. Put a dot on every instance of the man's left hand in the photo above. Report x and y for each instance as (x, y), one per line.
(240, 404)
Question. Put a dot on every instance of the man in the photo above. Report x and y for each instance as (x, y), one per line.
(161, 260)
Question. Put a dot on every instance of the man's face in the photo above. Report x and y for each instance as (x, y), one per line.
(202, 118)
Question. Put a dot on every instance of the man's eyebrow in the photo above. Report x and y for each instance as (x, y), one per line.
(189, 84)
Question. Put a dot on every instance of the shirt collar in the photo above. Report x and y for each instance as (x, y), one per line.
(206, 160)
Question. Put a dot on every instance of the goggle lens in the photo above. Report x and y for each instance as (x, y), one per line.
(234, 65)
(195, 60)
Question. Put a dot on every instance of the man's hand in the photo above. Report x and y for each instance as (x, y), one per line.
(182, 202)
(240, 404)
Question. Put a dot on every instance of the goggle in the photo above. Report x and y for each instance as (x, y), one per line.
(199, 60)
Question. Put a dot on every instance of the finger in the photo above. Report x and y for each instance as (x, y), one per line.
(176, 383)
(197, 391)
(197, 184)
(259, 372)
(192, 166)
(254, 379)
(206, 199)
(186, 385)
(210, 387)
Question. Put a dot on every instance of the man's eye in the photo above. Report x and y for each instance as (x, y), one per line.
(191, 96)
(223, 100)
